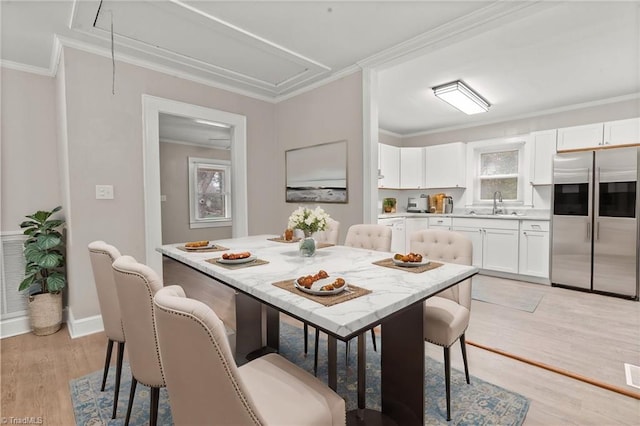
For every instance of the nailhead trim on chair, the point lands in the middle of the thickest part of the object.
(443, 346)
(112, 260)
(234, 381)
(155, 334)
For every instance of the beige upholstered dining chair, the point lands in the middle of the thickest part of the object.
(446, 315)
(102, 256)
(206, 386)
(370, 237)
(136, 285)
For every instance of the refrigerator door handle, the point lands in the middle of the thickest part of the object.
(597, 230)
(588, 231)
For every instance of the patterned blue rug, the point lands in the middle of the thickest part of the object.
(479, 403)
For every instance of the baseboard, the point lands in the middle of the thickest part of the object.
(85, 326)
(14, 326)
(517, 277)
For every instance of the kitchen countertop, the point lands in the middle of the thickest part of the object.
(533, 215)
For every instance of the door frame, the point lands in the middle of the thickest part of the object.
(152, 107)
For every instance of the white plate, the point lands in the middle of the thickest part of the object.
(236, 261)
(315, 288)
(411, 264)
(208, 246)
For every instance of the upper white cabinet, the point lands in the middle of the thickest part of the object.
(622, 132)
(543, 149)
(411, 168)
(389, 164)
(445, 165)
(580, 137)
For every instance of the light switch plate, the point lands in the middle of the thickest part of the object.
(104, 192)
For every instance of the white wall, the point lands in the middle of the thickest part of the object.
(329, 113)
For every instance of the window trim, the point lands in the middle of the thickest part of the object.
(194, 222)
(513, 144)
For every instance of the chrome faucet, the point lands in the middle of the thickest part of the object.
(497, 198)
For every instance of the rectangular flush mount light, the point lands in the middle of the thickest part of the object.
(461, 97)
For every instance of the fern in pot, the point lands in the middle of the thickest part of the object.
(44, 280)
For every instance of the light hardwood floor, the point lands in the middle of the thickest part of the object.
(586, 334)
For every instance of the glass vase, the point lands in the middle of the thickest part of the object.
(307, 245)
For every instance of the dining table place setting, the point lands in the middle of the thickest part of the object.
(322, 288)
(202, 246)
(410, 262)
(237, 260)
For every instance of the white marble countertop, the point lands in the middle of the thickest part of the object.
(392, 289)
(518, 216)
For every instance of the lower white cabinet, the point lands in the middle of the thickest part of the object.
(411, 225)
(495, 242)
(534, 248)
(440, 222)
(397, 232)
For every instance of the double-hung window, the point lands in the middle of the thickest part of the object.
(499, 168)
(209, 192)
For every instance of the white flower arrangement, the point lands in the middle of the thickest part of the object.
(309, 221)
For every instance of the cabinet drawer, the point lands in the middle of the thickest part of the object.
(510, 224)
(534, 225)
(439, 221)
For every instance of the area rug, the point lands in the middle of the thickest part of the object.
(525, 300)
(479, 403)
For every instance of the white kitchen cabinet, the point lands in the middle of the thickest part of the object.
(411, 225)
(543, 149)
(534, 248)
(440, 222)
(580, 137)
(389, 160)
(622, 132)
(445, 165)
(397, 232)
(411, 168)
(495, 242)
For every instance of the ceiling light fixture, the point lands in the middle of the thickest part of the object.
(461, 97)
(213, 123)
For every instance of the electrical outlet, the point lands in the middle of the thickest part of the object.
(163, 198)
(104, 192)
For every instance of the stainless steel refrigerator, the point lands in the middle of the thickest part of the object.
(595, 232)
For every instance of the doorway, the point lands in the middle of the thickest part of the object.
(152, 108)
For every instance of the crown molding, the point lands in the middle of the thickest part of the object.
(567, 108)
(129, 59)
(211, 145)
(390, 133)
(331, 78)
(26, 68)
(473, 23)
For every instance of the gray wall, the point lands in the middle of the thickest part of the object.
(79, 135)
(104, 137)
(30, 180)
(329, 113)
(174, 183)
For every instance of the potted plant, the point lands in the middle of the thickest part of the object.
(309, 221)
(389, 205)
(44, 280)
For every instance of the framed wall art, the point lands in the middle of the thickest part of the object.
(317, 173)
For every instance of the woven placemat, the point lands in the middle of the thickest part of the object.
(203, 250)
(388, 263)
(256, 262)
(282, 240)
(352, 292)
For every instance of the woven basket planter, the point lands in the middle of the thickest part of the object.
(45, 313)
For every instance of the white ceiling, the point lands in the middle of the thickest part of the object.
(524, 57)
